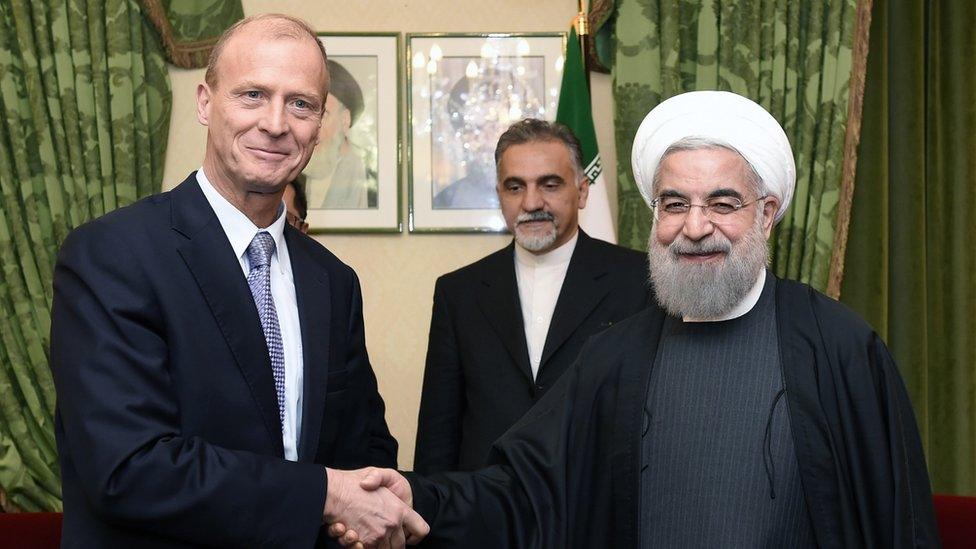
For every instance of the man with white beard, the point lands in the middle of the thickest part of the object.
(751, 411)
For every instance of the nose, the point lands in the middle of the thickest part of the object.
(274, 121)
(532, 199)
(697, 225)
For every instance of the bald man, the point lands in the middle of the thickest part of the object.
(746, 411)
(209, 358)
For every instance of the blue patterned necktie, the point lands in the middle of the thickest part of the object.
(259, 279)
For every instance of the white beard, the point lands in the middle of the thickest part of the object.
(706, 290)
(535, 243)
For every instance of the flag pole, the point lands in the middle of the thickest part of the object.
(575, 110)
(583, 31)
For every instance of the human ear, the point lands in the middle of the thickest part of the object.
(203, 104)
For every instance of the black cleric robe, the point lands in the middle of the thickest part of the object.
(567, 474)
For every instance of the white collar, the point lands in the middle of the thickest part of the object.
(745, 305)
(240, 230)
(558, 256)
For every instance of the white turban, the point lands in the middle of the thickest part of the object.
(726, 118)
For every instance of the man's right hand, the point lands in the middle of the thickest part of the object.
(380, 517)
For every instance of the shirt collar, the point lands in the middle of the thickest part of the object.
(558, 256)
(745, 305)
(240, 230)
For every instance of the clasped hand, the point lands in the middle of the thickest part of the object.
(372, 508)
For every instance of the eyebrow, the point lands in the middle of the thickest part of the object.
(549, 177)
(671, 193)
(717, 193)
(249, 85)
(314, 97)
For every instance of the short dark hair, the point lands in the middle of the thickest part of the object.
(301, 201)
(531, 130)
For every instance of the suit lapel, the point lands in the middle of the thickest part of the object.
(210, 258)
(583, 289)
(315, 314)
(499, 301)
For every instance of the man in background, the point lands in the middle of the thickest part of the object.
(209, 360)
(337, 174)
(507, 326)
(296, 204)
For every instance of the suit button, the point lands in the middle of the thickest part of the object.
(537, 391)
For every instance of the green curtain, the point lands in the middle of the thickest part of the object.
(794, 58)
(910, 260)
(84, 115)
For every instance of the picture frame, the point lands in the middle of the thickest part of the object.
(463, 91)
(353, 180)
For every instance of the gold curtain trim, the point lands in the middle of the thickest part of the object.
(859, 63)
(181, 54)
(600, 11)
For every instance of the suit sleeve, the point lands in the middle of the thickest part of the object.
(442, 399)
(119, 418)
(370, 421)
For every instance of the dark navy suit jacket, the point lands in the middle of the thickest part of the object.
(167, 420)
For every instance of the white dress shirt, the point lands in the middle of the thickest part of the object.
(540, 278)
(240, 231)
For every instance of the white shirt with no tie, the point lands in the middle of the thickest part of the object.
(540, 279)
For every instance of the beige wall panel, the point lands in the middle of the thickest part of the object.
(397, 271)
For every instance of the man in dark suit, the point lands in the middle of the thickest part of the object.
(507, 326)
(209, 359)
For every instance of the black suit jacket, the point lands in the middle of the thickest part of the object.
(478, 381)
(167, 420)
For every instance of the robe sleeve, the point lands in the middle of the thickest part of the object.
(913, 513)
(519, 500)
(872, 486)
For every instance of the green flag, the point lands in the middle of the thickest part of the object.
(575, 112)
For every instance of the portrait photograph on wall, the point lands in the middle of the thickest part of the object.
(352, 182)
(464, 91)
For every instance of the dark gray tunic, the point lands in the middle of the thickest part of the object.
(718, 464)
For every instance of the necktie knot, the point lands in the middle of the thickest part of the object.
(260, 250)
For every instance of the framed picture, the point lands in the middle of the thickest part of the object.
(352, 182)
(464, 91)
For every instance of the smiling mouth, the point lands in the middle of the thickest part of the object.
(267, 153)
(701, 257)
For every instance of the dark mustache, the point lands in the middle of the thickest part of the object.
(534, 216)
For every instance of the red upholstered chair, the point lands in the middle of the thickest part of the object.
(30, 530)
(957, 520)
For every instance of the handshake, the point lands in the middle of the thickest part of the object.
(371, 507)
